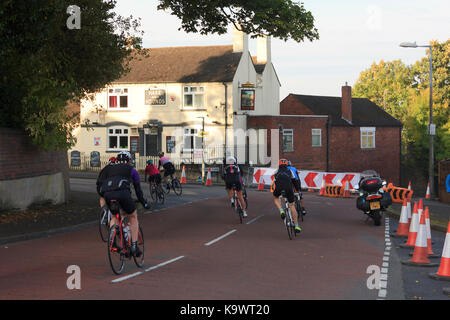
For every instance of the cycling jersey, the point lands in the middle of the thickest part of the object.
(168, 166)
(151, 170)
(295, 172)
(232, 175)
(283, 182)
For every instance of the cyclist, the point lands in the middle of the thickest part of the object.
(283, 182)
(114, 184)
(111, 161)
(297, 185)
(168, 167)
(153, 173)
(232, 176)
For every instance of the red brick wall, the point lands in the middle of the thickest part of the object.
(345, 153)
(20, 159)
(304, 155)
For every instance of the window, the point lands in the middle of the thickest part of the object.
(247, 99)
(118, 138)
(367, 137)
(316, 137)
(194, 97)
(191, 140)
(117, 98)
(288, 140)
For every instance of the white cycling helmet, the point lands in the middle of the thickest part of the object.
(231, 160)
(124, 156)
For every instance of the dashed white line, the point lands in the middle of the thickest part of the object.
(254, 219)
(146, 270)
(220, 238)
(382, 293)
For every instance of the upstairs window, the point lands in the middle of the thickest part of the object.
(194, 97)
(316, 137)
(367, 137)
(117, 98)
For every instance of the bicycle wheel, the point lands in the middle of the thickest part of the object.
(244, 194)
(169, 184)
(115, 250)
(298, 207)
(289, 224)
(240, 213)
(103, 224)
(176, 185)
(140, 242)
(160, 195)
(153, 193)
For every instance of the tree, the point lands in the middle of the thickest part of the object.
(403, 91)
(282, 19)
(43, 64)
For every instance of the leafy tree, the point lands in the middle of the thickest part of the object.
(44, 64)
(282, 19)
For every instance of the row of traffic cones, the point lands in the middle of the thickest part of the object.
(427, 194)
(183, 177)
(418, 231)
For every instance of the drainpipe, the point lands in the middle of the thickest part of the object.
(226, 119)
(328, 130)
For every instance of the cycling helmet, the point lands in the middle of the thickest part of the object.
(231, 160)
(124, 156)
(283, 162)
(112, 160)
(150, 161)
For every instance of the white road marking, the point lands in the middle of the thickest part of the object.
(220, 238)
(382, 293)
(254, 219)
(146, 270)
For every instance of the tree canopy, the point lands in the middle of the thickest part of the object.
(403, 91)
(282, 19)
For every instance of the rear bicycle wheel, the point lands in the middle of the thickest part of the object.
(140, 242)
(176, 185)
(103, 224)
(289, 225)
(160, 195)
(115, 250)
(244, 194)
(153, 193)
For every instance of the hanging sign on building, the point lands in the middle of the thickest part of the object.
(155, 97)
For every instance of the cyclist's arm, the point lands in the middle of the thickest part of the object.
(137, 186)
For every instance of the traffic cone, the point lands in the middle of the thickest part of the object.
(322, 189)
(427, 195)
(427, 221)
(183, 175)
(208, 178)
(408, 210)
(261, 183)
(413, 229)
(444, 268)
(420, 255)
(409, 185)
(346, 193)
(403, 224)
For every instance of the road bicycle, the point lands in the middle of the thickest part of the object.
(237, 204)
(156, 192)
(288, 220)
(119, 242)
(103, 223)
(174, 183)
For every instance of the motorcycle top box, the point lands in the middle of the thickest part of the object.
(370, 184)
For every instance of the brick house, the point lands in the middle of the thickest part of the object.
(336, 134)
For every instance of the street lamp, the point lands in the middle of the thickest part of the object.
(431, 126)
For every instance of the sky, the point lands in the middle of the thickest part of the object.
(353, 35)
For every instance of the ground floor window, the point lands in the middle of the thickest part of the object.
(118, 138)
(191, 140)
(288, 140)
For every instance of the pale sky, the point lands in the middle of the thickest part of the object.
(353, 35)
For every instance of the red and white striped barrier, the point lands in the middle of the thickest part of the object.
(311, 179)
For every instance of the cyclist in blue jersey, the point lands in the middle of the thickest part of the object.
(297, 185)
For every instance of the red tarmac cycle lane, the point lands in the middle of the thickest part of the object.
(328, 260)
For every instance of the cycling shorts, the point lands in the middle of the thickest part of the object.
(123, 197)
(231, 180)
(288, 189)
(155, 178)
(169, 169)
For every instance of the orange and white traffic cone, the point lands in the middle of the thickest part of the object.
(444, 268)
(346, 193)
(183, 175)
(409, 185)
(322, 189)
(261, 183)
(403, 224)
(427, 195)
(429, 242)
(208, 178)
(420, 255)
(408, 210)
(413, 229)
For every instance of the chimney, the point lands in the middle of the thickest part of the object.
(263, 52)
(347, 102)
(240, 41)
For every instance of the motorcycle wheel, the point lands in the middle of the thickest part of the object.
(376, 217)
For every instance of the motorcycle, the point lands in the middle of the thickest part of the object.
(373, 200)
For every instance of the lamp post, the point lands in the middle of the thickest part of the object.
(431, 126)
(203, 147)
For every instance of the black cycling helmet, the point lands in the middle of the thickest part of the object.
(161, 154)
